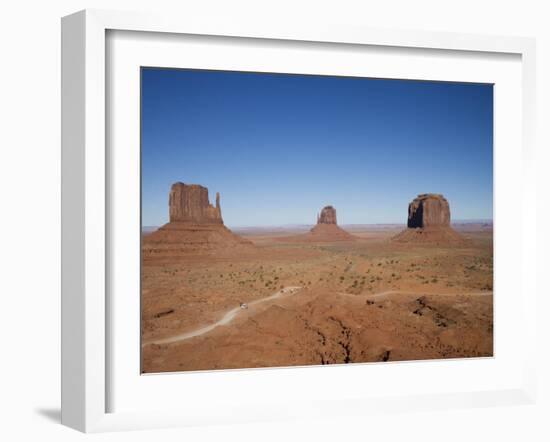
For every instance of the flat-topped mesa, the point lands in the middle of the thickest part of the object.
(429, 210)
(189, 203)
(326, 230)
(195, 227)
(429, 222)
(327, 216)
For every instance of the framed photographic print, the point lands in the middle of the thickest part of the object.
(251, 211)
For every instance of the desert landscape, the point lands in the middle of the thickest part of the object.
(349, 220)
(214, 298)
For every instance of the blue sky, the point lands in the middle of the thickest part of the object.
(280, 147)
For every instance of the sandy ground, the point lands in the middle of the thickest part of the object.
(362, 301)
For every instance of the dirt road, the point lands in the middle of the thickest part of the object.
(226, 319)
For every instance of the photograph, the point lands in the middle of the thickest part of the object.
(304, 220)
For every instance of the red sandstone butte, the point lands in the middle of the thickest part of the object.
(189, 203)
(327, 216)
(326, 229)
(429, 221)
(195, 225)
(428, 210)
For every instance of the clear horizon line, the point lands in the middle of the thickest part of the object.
(242, 226)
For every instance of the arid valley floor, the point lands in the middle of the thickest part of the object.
(368, 300)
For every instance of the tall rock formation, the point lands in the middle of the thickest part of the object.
(429, 222)
(195, 226)
(327, 215)
(326, 229)
(189, 203)
(429, 210)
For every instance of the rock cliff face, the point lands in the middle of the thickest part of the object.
(429, 222)
(327, 215)
(195, 226)
(429, 210)
(189, 203)
(326, 229)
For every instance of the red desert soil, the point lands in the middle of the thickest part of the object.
(367, 300)
(430, 235)
(177, 238)
(321, 233)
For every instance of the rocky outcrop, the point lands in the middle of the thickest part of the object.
(195, 226)
(189, 203)
(327, 216)
(328, 233)
(326, 229)
(429, 222)
(429, 210)
(438, 236)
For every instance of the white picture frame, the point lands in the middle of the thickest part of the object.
(85, 209)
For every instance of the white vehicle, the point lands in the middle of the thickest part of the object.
(244, 305)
